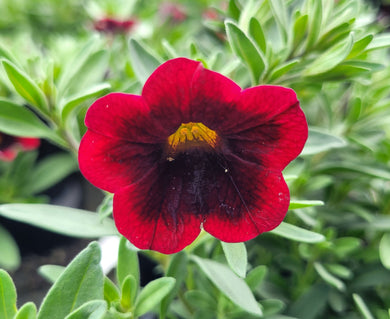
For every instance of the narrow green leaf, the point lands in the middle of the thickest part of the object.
(314, 22)
(129, 290)
(236, 257)
(10, 256)
(360, 45)
(19, 121)
(27, 311)
(330, 58)
(257, 33)
(295, 204)
(81, 282)
(299, 29)
(283, 69)
(233, 10)
(234, 287)
(152, 294)
(177, 269)
(51, 272)
(256, 276)
(319, 141)
(362, 307)
(70, 103)
(62, 220)
(384, 250)
(7, 296)
(143, 61)
(25, 86)
(94, 309)
(111, 292)
(328, 277)
(374, 171)
(296, 233)
(127, 262)
(245, 48)
(279, 11)
(380, 41)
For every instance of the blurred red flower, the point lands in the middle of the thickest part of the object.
(10, 146)
(193, 151)
(111, 25)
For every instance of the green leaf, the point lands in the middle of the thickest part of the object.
(299, 29)
(330, 58)
(7, 296)
(328, 277)
(296, 204)
(143, 61)
(256, 276)
(50, 171)
(362, 307)
(51, 272)
(62, 220)
(10, 256)
(319, 141)
(384, 250)
(111, 292)
(234, 287)
(127, 262)
(283, 69)
(380, 41)
(94, 309)
(129, 290)
(257, 33)
(279, 11)
(244, 48)
(152, 294)
(374, 171)
(314, 23)
(177, 269)
(360, 45)
(19, 121)
(81, 282)
(70, 103)
(236, 257)
(25, 86)
(233, 10)
(27, 311)
(296, 233)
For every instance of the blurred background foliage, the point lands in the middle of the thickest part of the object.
(58, 57)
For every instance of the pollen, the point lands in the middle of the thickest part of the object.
(191, 135)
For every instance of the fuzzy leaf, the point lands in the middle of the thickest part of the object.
(25, 86)
(296, 233)
(7, 296)
(152, 294)
(319, 141)
(234, 287)
(143, 61)
(27, 311)
(51, 272)
(244, 48)
(62, 220)
(81, 282)
(94, 309)
(257, 33)
(127, 262)
(236, 257)
(10, 256)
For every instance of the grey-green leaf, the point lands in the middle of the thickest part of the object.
(81, 282)
(25, 86)
(234, 287)
(7, 296)
(319, 141)
(62, 220)
(10, 256)
(152, 294)
(51, 272)
(94, 309)
(143, 61)
(236, 257)
(127, 262)
(297, 234)
(328, 277)
(361, 305)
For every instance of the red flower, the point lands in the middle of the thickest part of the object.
(11, 145)
(111, 25)
(194, 150)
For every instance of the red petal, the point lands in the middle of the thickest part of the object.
(252, 202)
(8, 155)
(124, 116)
(275, 143)
(111, 164)
(153, 217)
(28, 143)
(213, 99)
(167, 92)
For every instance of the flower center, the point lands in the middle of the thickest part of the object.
(191, 135)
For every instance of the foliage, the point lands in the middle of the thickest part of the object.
(330, 257)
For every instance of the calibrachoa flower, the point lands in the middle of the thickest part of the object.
(11, 145)
(111, 25)
(193, 151)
